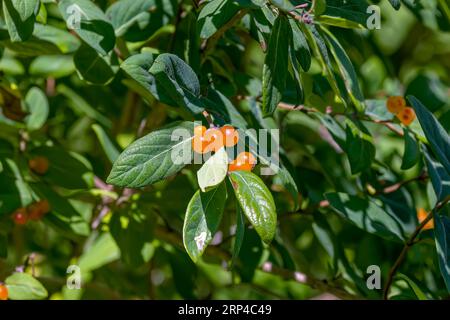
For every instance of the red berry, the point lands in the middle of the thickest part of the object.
(39, 165)
(20, 216)
(38, 210)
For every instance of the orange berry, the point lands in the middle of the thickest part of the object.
(39, 165)
(407, 116)
(199, 131)
(38, 210)
(20, 216)
(199, 144)
(239, 166)
(230, 136)
(395, 104)
(214, 137)
(247, 158)
(421, 216)
(3, 292)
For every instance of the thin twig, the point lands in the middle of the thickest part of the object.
(209, 45)
(408, 244)
(323, 285)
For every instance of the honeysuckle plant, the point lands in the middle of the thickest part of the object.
(224, 149)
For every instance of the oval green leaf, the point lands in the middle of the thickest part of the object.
(203, 216)
(151, 158)
(256, 202)
(22, 286)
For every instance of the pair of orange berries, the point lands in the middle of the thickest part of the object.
(35, 211)
(213, 139)
(397, 106)
(39, 165)
(3, 292)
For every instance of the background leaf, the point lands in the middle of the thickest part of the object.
(22, 286)
(366, 215)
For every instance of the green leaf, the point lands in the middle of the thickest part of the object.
(213, 171)
(347, 70)
(93, 67)
(108, 146)
(52, 66)
(81, 106)
(256, 202)
(395, 4)
(442, 232)
(223, 109)
(177, 81)
(22, 286)
(430, 90)
(101, 251)
(20, 18)
(437, 136)
(359, 147)
(150, 159)
(353, 10)
(46, 40)
(317, 43)
(141, 80)
(66, 169)
(339, 22)
(240, 230)
(36, 104)
(137, 20)
(202, 219)
(411, 155)
(285, 179)
(90, 23)
(367, 215)
(285, 5)
(440, 179)
(275, 65)
(214, 15)
(132, 230)
(417, 291)
(300, 46)
(64, 217)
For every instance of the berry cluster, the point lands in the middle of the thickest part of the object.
(35, 211)
(397, 106)
(213, 139)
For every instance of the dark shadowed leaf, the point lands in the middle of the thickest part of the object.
(366, 215)
(20, 18)
(411, 156)
(437, 136)
(442, 232)
(275, 65)
(90, 23)
(178, 81)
